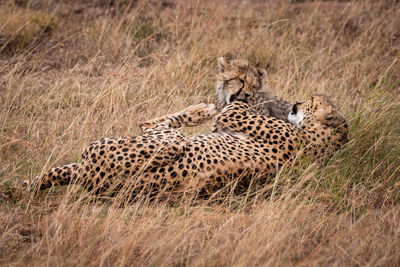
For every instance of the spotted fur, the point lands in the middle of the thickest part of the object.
(242, 143)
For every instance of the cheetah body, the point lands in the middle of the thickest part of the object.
(254, 132)
(242, 144)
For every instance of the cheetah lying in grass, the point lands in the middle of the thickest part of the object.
(244, 141)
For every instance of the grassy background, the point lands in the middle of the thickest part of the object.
(73, 72)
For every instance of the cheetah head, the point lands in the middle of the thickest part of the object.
(316, 110)
(237, 80)
(321, 122)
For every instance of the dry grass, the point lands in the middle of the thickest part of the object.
(100, 68)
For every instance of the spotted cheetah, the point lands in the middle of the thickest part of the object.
(241, 144)
(239, 80)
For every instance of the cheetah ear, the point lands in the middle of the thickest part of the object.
(222, 64)
(263, 79)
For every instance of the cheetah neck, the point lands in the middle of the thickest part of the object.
(273, 106)
(323, 139)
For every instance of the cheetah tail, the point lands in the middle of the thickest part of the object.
(61, 175)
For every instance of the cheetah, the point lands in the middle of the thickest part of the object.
(241, 144)
(239, 80)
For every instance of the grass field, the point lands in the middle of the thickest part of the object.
(73, 72)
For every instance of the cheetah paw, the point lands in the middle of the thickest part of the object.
(202, 110)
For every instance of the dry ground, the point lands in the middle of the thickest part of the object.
(73, 72)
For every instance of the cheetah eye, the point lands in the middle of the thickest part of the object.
(329, 117)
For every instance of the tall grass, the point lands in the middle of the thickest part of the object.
(101, 67)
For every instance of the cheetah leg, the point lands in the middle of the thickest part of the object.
(96, 172)
(191, 116)
(115, 163)
(62, 175)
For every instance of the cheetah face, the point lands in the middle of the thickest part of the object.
(237, 80)
(230, 90)
(317, 109)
